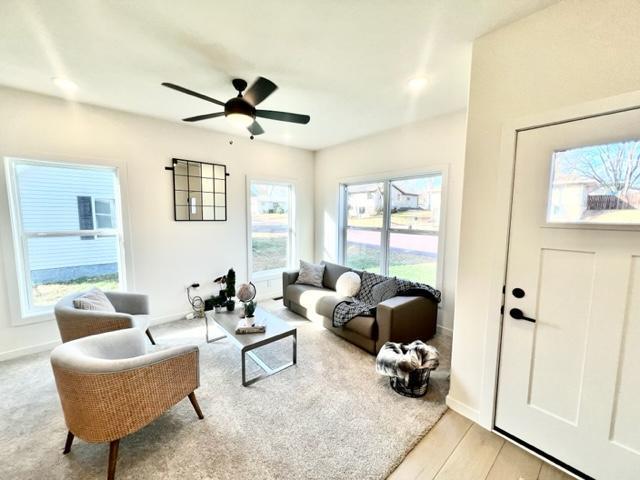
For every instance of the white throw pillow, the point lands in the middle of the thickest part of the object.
(94, 299)
(348, 284)
(310, 274)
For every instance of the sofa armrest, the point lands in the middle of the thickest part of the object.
(131, 303)
(288, 278)
(405, 319)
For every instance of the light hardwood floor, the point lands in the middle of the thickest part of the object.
(458, 449)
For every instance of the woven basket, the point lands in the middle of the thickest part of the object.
(417, 385)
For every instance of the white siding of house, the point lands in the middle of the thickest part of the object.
(48, 202)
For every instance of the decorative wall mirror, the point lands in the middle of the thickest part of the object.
(199, 191)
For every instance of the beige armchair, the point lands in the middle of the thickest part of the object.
(132, 311)
(110, 385)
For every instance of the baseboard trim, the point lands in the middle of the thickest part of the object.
(168, 318)
(21, 352)
(463, 409)
(446, 331)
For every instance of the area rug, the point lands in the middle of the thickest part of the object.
(329, 417)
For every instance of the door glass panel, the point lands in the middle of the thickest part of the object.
(363, 250)
(365, 205)
(597, 184)
(415, 203)
(413, 257)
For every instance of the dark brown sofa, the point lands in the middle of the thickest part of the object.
(399, 319)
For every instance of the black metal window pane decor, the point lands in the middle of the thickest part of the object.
(200, 191)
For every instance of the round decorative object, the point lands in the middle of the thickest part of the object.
(249, 308)
(348, 284)
(246, 292)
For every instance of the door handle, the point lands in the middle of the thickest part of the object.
(519, 315)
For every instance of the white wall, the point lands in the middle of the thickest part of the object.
(413, 148)
(163, 256)
(569, 53)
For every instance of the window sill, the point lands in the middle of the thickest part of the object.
(267, 275)
(34, 317)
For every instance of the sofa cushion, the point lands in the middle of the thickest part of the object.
(307, 295)
(332, 272)
(348, 285)
(365, 326)
(310, 274)
(95, 300)
(326, 305)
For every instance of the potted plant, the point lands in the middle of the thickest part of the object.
(230, 290)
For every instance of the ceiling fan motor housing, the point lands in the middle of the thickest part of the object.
(239, 106)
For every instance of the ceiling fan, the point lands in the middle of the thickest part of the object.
(241, 110)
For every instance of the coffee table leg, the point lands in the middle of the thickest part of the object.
(244, 363)
(295, 347)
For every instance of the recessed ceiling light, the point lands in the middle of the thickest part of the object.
(65, 84)
(417, 83)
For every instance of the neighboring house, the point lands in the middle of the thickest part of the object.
(62, 200)
(574, 196)
(366, 200)
(402, 200)
(263, 202)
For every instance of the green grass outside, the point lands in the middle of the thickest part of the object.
(49, 293)
(405, 265)
(269, 252)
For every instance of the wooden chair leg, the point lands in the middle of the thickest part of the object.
(196, 407)
(153, 342)
(67, 444)
(113, 458)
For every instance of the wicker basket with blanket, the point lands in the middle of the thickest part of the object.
(408, 366)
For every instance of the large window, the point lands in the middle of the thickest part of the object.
(66, 230)
(271, 226)
(392, 227)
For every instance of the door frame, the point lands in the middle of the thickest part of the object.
(500, 251)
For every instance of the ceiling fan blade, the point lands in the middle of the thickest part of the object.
(283, 116)
(191, 92)
(260, 90)
(255, 128)
(197, 118)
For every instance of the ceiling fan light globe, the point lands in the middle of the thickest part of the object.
(240, 120)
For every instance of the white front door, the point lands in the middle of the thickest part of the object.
(569, 377)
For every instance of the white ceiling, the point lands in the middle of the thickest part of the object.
(344, 62)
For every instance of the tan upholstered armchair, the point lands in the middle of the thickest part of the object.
(132, 311)
(110, 386)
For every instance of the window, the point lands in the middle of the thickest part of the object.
(55, 207)
(596, 184)
(92, 212)
(271, 226)
(392, 227)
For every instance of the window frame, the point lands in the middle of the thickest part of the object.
(112, 214)
(27, 312)
(387, 179)
(292, 253)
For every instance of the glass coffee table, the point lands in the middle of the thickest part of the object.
(277, 329)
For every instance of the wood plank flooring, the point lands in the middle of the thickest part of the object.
(458, 449)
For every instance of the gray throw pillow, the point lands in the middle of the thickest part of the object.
(384, 290)
(95, 300)
(310, 274)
